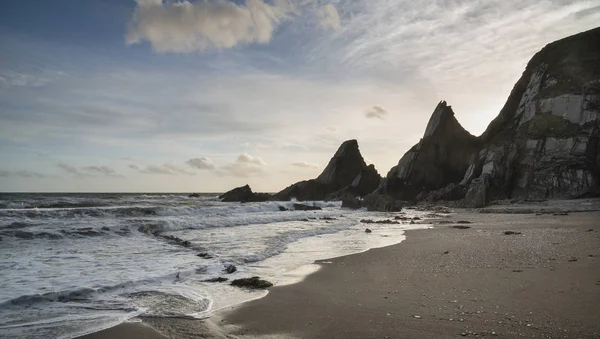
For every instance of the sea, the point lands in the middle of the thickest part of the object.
(73, 264)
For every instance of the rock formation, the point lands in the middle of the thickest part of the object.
(244, 194)
(441, 157)
(346, 174)
(544, 143)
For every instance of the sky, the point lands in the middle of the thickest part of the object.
(207, 95)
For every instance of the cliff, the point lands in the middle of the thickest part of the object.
(543, 144)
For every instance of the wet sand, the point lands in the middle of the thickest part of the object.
(443, 282)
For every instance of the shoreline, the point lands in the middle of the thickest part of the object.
(487, 284)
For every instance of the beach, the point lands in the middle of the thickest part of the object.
(542, 281)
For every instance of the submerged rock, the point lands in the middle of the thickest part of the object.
(216, 280)
(252, 283)
(302, 207)
(230, 269)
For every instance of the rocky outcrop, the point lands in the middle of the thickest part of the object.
(440, 158)
(347, 174)
(244, 194)
(544, 143)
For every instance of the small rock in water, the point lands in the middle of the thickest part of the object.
(461, 227)
(104, 228)
(329, 218)
(216, 280)
(281, 208)
(511, 233)
(446, 252)
(412, 222)
(463, 222)
(204, 255)
(368, 230)
(572, 259)
(253, 283)
(302, 207)
(230, 269)
(561, 213)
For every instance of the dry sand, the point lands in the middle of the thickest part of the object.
(439, 283)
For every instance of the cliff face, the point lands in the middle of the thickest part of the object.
(346, 173)
(543, 144)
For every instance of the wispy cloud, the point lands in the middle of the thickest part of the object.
(304, 164)
(89, 171)
(376, 112)
(164, 169)
(21, 174)
(244, 166)
(201, 163)
(329, 18)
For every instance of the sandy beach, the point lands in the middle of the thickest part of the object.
(540, 281)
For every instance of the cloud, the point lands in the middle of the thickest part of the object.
(21, 174)
(329, 18)
(376, 112)
(203, 25)
(88, 171)
(244, 166)
(102, 170)
(304, 164)
(165, 169)
(201, 163)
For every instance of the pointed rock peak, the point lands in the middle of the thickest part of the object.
(347, 147)
(440, 117)
(344, 166)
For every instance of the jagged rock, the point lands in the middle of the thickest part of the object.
(442, 157)
(346, 174)
(244, 194)
(382, 203)
(302, 207)
(230, 269)
(252, 283)
(545, 143)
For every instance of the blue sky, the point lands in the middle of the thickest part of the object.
(115, 95)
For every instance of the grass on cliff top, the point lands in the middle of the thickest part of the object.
(548, 125)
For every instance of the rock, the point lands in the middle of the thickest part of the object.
(412, 222)
(461, 227)
(398, 217)
(442, 157)
(477, 194)
(175, 241)
(329, 218)
(230, 269)
(281, 208)
(346, 174)
(351, 202)
(463, 222)
(194, 195)
(302, 207)
(216, 280)
(385, 221)
(204, 255)
(244, 194)
(511, 233)
(104, 228)
(382, 203)
(368, 230)
(24, 235)
(251, 283)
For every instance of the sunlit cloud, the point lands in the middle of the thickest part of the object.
(244, 166)
(164, 169)
(201, 163)
(305, 165)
